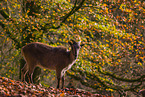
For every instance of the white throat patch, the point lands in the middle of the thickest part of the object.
(70, 65)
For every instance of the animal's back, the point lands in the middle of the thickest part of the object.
(46, 56)
(38, 49)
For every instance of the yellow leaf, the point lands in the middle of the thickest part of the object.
(62, 94)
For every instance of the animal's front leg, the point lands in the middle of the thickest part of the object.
(58, 74)
(62, 81)
(58, 81)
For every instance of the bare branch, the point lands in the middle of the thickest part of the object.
(6, 16)
(73, 10)
(121, 79)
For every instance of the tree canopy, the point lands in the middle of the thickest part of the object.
(112, 58)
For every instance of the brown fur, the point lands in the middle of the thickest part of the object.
(142, 92)
(45, 56)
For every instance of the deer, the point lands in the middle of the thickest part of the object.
(142, 92)
(41, 55)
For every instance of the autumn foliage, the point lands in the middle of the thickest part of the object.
(14, 88)
(112, 59)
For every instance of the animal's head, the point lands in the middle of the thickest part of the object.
(75, 45)
(142, 92)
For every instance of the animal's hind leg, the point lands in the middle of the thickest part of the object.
(30, 72)
(24, 70)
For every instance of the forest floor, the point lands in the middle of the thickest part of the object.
(13, 88)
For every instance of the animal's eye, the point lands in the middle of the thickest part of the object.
(77, 47)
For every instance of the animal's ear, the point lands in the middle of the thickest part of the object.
(82, 45)
(74, 42)
(70, 43)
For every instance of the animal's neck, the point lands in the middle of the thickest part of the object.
(74, 53)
